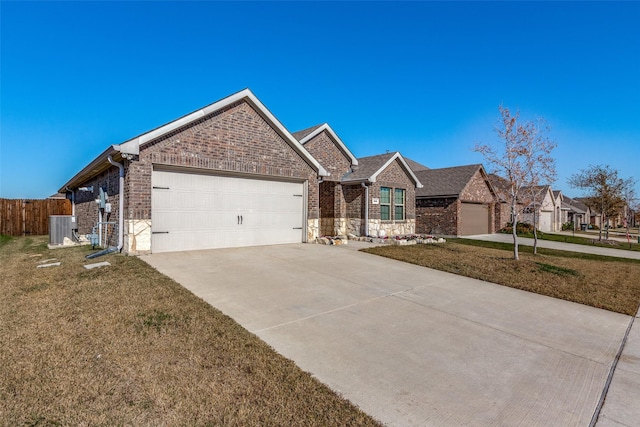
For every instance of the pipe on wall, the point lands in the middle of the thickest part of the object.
(120, 203)
(366, 209)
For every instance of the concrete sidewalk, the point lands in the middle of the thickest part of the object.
(622, 404)
(596, 250)
(409, 345)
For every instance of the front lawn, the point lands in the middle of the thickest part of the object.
(125, 345)
(587, 240)
(603, 282)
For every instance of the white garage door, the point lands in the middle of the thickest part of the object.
(545, 221)
(474, 219)
(193, 211)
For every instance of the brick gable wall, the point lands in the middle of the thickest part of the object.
(235, 140)
(325, 151)
(394, 176)
(477, 190)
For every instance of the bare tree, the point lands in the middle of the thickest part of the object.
(540, 167)
(630, 200)
(604, 191)
(522, 158)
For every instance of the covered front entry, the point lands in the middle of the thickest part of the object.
(192, 210)
(474, 219)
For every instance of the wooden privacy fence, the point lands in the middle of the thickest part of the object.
(30, 217)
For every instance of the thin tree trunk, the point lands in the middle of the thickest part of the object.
(535, 236)
(515, 225)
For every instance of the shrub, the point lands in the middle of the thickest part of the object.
(567, 226)
(521, 228)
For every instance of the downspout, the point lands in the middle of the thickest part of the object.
(366, 209)
(120, 203)
(73, 201)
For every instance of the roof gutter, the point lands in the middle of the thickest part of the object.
(101, 163)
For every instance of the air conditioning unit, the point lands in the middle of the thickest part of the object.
(61, 226)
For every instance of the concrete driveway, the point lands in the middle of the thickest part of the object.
(409, 345)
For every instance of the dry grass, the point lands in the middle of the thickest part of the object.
(125, 345)
(601, 282)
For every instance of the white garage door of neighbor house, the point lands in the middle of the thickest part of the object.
(545, 221)
(194, 211)
(474, 219)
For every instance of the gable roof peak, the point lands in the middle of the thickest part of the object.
(371, 166)
(308, 134)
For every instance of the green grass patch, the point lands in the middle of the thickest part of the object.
(560, 271)
(5, 239)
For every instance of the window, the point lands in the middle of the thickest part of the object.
(385, 203)
(398, 203)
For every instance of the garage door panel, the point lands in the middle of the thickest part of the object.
(474, 219)
(194, 211)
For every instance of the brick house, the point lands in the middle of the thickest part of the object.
(326, 147)
(455, 201)
(229, 174)
(380, 196)
(577, 212)
(351, 181)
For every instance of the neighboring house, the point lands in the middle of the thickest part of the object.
(577, 212)
(594, 214)
(560, 216)
(539, 201)
(230, 174)
(503, 215)
(455, 201)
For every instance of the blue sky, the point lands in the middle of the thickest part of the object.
(422, 78)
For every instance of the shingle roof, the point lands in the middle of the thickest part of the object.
(445, 181)
(300, 135)
(368, 166)
(415, 166)
(578, 202)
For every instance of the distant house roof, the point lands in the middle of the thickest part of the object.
(415, 166)
(308, 134)
(574, 205)
(445, 181)
(370, 167)
(132, 146)
(57, 196)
